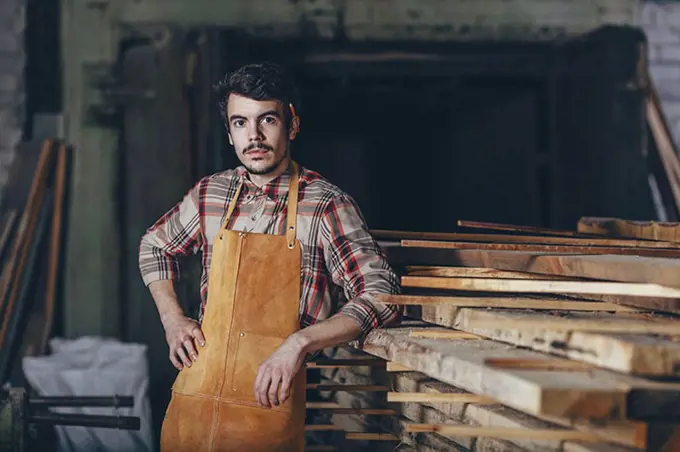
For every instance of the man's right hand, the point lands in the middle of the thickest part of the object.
(180, 332)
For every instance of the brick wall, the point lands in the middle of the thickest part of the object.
(12, 63)
(661, 22)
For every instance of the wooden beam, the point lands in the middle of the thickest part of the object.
(596, 394)
(631, 434)
(361, 411)
(622, 351)
(471, 319)
(444, 334)
(341, 387)
(508, 302)
(321, 405)
(534, 239)
(603, 267)
(360, 436)
(506, 433)
(539, 364)
(322, 428)
(472, 272)
(394, 367)
(421, 397)
(527, 286)
(325, 363)
(543, 248)
(518, 228)
(664, 232)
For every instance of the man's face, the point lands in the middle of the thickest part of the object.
(258, 133)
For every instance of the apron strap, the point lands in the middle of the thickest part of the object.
(232, 204)
(291, 220)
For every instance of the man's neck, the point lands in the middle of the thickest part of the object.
(263, 179)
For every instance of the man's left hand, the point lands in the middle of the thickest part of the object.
(279, 370)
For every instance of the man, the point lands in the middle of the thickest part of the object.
(341, 269)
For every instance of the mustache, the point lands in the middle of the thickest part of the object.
(253, 146)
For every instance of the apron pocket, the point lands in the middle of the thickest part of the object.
(251, 351)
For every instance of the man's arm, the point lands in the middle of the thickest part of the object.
(176, 233)
(356, 264)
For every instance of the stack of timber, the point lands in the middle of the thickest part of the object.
(519, 338)
(32, 213)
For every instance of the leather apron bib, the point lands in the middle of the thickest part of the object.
(253, 304)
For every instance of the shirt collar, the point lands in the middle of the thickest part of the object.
(275, 188)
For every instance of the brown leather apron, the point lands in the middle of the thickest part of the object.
(253, 303)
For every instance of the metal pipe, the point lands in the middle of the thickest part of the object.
(86, 420)
(115, 401)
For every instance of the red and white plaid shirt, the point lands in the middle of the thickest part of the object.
(342, 266)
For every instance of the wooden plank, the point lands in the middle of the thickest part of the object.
(663, 142)
(507, 433)
(421, 397)
(343, 387)
(538, 364)
(529, 286)
(535, 239)
(576, 321)
(444, 334)
(624, 352)
(394, 367)
(13, 270)
(471, 272)
(597, 394)
(517, 228)
(322, 428)
(627, 434)
(661, 271)
(504, 302)
(361, 411)
(361, 436)
(337, 363)
(668, 232)
(528, 247)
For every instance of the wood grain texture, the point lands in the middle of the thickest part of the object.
(623, 352)
(535, 239)
(499, 416)
(510, 302)
(530, 286)
(596, 394)
(543, 248)
(662, 271)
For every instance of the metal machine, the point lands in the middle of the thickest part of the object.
(21, 414)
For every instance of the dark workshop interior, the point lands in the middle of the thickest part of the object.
(523, 180)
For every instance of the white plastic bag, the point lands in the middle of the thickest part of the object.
(92, 366)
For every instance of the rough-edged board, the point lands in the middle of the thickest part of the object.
(595, 394)
(540, 286)
(629, 353)
(506, 302)
(501, 416)
(661, 271)
(543, 248)
(512, 238)
(570, 321)
(618, 227)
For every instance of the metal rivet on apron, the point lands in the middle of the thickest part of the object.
(242, 334)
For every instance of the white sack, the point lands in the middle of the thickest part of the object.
(92, 366)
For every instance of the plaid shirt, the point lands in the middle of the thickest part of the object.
(342, 266)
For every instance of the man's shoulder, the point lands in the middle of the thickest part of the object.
(219, 179)
(318, 188)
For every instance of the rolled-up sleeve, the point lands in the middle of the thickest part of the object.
(176, 233)
(357, 264)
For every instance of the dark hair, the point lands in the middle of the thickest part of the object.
(260, 81)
